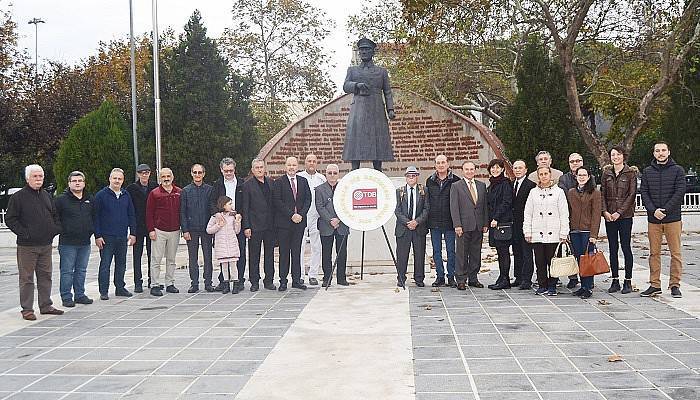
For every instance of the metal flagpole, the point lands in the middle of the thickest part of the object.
(156, 90)
(133, 84)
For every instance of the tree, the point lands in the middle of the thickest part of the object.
(205, 108)
(538, 117)
(97, 143)
(278, 44)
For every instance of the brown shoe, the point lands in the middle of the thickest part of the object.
(28, 315)
(52, 311)
(461, 286)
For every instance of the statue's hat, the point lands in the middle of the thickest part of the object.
(364, 42)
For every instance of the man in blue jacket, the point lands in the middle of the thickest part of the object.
(663, 189)
(114, 219)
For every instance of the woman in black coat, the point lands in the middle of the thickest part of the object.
(500, 201)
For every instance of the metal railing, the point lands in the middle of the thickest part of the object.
(691, 203)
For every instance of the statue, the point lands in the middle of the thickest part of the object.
(367, 137)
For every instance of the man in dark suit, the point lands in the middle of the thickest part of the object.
(139, 191)
(412, 207)
(231, 186)
(331, 229)
(470, 219)
(258, 225)
(523, 266)
(291, 198)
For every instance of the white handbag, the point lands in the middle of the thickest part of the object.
(564, 264)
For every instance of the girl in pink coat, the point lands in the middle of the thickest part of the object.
(225, 225)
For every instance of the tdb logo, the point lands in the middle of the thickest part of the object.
(363, 199)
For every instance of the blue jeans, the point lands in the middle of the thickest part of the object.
(579, 244)
(436, 238)
(73, 266)
(115, 247)
(623, 228)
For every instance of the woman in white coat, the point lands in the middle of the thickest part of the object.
(546, 224)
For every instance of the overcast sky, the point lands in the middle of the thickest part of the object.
(74, 28)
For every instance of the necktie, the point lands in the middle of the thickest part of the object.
(515, 190)
(410, 205)
(294, 192)
(472, 191)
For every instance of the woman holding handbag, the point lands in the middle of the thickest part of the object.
(618, 189)
(585, 203)
(500, 199)
(546, 224)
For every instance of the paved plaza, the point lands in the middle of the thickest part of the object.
(365, 341)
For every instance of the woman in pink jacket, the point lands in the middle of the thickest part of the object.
(225, 225)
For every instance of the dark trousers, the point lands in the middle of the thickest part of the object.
(266, 240)
(137, 253)
(403, 247)
(543, 259)
(469, 256)
(34, 260)
(290, 246)
(341, 250)
(503, 263)
(523, 266)
(204, 240)
(579, 244)
(623, 229)
(114, 248)
(376, 164)
(241, 261)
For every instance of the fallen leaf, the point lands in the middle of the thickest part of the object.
(441, 319)
(428, 307)
(484, 270)
(396, 290)
(615, 358)
(435, 289)
(604, 302)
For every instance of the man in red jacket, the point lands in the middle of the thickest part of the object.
(163, 224)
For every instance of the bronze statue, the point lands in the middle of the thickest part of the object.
(367, 137)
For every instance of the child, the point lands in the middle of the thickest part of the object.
(225, 225)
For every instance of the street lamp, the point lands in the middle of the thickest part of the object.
(36, 22)
(132, 66)
(156, 84)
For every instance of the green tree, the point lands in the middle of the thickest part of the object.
(205, 109)
(538, 118)
(97, 143)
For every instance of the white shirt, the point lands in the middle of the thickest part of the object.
(118, 194)
(231, 190)
(415, 198)
(315, 181)
(519, 182)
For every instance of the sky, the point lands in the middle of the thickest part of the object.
(73, 28)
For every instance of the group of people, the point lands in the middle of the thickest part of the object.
(233, 218)
(227, 220)
(534, 214)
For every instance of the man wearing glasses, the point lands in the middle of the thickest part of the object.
(231, 186)
(194, 215)
(139, 191)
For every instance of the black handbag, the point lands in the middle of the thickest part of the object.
(502, 232)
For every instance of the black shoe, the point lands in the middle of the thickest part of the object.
(68, 303)
(578, 292)
(614, 286)
(420, 284)
(651, 292)
(236, 288)
(161, 287)
(626, 286)
(572, 283)
(227, 288)
(505, 284)
(104, 297)
(476, 284)
(209, 288)
(438, 282)
(193, 289)
(219, 287)
(269, 286)
(138, 289)
(299, 285)
(83, 300)
(171, 289)
(451, 282)
(343, 283)
(325, 283)
(123, 293)
(156, 291)
(282, 288)
(313, 281)
(676, 292)
(516, 282)
(400, 283)
(254, 287)
(525, 286)
(586, 294)
(240, 284)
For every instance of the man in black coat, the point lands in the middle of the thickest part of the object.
(231, 186)
(412, 205)
(291, 197)
(194, 216)
(258, 225)
(440, 220)
(139, 191)
(523, 266)
(663, 189)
